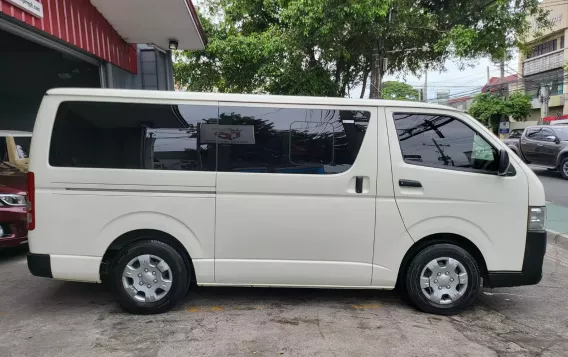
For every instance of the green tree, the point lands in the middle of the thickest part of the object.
(398, 91)
(324, 47)
(489, 108)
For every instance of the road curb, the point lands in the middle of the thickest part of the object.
(557, 238)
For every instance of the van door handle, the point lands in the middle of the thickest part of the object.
(409, 183)
(359, 184)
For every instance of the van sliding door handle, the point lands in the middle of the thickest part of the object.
(409, 183)
(359, 184)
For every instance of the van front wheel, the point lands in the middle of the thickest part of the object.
(149, 277)
(443, 279)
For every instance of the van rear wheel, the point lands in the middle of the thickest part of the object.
(443, 279)
(149, 277)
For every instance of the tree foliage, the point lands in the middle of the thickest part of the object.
(489, 108)
(398, 91)
(324, 47)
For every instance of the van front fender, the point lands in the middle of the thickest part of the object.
(458, 226)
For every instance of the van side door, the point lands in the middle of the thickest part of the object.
(547, 150)
(296, 189)
(445, 181)
(529, 143)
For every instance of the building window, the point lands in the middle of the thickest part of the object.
(444, 142)
(554, 77)
(546, 47)
(562, 42)
(289, 140)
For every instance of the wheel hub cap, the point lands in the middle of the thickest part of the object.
(147, 278)
(444, 280)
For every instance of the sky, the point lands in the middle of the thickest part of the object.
(458, 82)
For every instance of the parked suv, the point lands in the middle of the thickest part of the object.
(543, 145)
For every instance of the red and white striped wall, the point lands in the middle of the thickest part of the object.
(80, 24)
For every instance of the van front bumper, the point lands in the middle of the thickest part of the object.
(535, 248)
(40, 265)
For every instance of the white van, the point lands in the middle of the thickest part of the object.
(150, 191)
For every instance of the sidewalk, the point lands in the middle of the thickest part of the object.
(557, 218)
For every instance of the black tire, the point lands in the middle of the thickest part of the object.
(561, 168)
(179, 282)
(417, 265)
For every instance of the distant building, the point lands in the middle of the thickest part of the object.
(461, 103)
(543, 65)
(509, 85)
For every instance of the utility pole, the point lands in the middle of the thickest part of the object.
(426, 84)
(488, 75)
(502, 81)
(544, 96)
(376, 72)
(379, 62)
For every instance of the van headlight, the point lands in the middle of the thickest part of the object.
(537, 218)
(13, 200)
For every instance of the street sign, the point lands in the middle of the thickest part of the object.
(34, 7)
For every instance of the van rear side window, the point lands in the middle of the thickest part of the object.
(132, 136)
(206, 138)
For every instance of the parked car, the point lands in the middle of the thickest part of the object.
(14, 156)
(543, 145)
(317, 192)
(13, 217)
(15, 148)
(559, 122)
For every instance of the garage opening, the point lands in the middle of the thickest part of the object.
(27, 71)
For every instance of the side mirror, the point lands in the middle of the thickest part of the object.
(552, 139)
(504, 162)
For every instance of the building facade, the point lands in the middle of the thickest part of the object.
(87, 43)
(544, 64)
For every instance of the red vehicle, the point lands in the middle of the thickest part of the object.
(13, 214)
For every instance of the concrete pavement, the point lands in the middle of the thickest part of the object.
(42, 317)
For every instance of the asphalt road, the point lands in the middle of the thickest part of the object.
(556, 191)
(555, 187)
(42, 317)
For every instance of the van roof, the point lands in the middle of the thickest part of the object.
(4, 133)
(249, 98)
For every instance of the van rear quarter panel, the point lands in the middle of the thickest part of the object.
(81, 211)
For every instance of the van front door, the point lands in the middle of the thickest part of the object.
(295, 200)
(445, 179)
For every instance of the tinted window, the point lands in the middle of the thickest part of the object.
(515, 134)
(4, 150)
(282, 140)
(23, 146)
(133, 136)
(545, 133)
(441, 141)
(562, 133)
(533, 133)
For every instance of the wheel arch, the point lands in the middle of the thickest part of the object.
(438, 238)
(563, 155)
(139, 235)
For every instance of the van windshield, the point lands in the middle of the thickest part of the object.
(562, 133)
